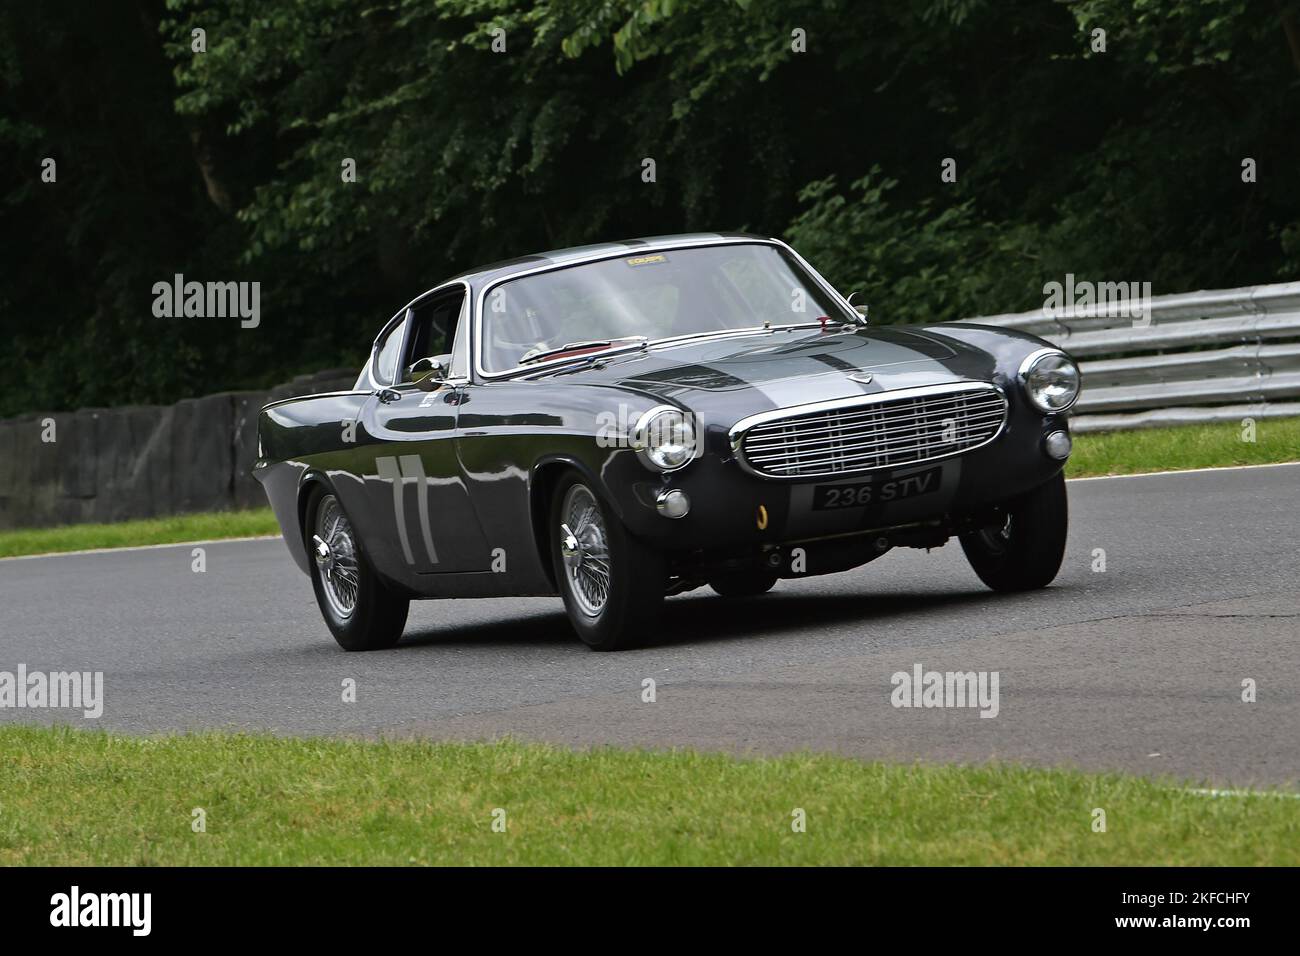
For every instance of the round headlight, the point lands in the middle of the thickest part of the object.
(1051, 380)
(665, 438)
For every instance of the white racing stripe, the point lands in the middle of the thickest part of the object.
(791, 393)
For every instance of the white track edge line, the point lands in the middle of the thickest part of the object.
(1189, 471)
(138, 547)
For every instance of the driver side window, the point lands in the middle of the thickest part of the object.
(434, 326)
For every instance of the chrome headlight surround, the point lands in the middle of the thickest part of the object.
(1051, 380)
(665, 438)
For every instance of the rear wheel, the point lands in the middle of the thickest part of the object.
(361, 612)
(744, 583)
(1024, 550)
(612, 583)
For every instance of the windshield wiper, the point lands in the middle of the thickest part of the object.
(594, 344)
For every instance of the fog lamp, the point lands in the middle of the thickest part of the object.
(1058, 445)
(673, 504)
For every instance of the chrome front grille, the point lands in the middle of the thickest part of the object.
(885, 430)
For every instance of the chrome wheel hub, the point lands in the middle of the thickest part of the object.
(335, 552)
(569, 544)
(584, 546)
(324, 556)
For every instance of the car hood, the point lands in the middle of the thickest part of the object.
(738, 375)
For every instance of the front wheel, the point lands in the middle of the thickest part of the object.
(612, 583)
(360, 611)
(1024, 550)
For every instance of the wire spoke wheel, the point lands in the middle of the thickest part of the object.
(612, 582)
(585, 548)
(336, 557)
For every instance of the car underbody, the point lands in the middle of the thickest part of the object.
(828, 554)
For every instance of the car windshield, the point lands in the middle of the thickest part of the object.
(648, 295)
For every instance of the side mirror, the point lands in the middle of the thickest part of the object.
(427, 374)
(860, 309)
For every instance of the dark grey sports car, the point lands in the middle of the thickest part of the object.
(632, 420)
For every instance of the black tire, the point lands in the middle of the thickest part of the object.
(736, 584)
(378, 614)
(635, 579)
(1025, 552)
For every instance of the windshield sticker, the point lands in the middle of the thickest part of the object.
(646, 260)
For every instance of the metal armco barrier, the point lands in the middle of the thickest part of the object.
(1221, 355)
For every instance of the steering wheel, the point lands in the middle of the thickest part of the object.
(537, 349)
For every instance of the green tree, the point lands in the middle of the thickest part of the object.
(824, 121)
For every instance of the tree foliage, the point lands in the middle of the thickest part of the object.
(226, 164)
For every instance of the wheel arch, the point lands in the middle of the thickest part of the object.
(310, 481)
(543, 479)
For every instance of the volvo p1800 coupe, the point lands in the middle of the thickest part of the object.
(622, 422)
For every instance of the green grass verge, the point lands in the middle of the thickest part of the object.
(86, 798)
(1107, 453)
(192, 527)
(1184, 446)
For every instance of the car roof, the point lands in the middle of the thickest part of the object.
(498, 270)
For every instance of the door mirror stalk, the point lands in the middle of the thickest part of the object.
(427, 374)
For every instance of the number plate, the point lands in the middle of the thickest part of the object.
(859, 494)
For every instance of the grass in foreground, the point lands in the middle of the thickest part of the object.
(1107, 453)
(192, 527)
(1184, 446)
(87, 798)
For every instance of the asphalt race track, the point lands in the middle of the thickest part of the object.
(1136, 668)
